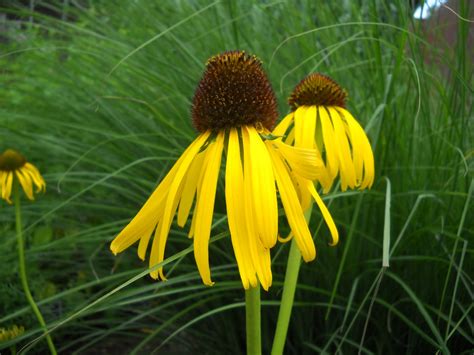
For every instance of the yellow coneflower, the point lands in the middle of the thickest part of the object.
(234, 109)
(14, 165)
(319, 120)
(16, 171)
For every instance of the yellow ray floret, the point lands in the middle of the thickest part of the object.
(234, 190)
(205, 207)
(261, 183)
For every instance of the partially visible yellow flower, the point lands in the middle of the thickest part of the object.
(13, 165)
(319, 120)
(234, 109)
(11, 333)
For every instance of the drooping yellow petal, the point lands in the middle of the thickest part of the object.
(332, 158)
(308, 127)
(154, 254)
(26, 183)
(356, 148)
(292, 207)
(326, 215)
(143, 244)
(347, 172)
(145, 238)
(172, 198)
(263, 191)
(3, 180)
(199, 178)
(36, 176)
(265, 257)
(300, 126)
(234, 190)
(304, 162)
(193, 220)
(189, 189)
(284, 124)
(361, 150)
(7, 187)
(205, 208)
(6, 179)
(146, 219)
(260, 255)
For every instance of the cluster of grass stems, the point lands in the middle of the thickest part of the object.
(100, 101)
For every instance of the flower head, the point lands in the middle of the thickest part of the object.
(319, 120)
(13, 165)
(234, 109)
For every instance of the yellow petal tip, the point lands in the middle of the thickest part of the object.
(114, 249)
(335, 239)
(285, 240)
(308, 257)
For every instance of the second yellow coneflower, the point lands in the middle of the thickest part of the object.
(14, 165)
(234, 109)
(319, 120)
(16, 171)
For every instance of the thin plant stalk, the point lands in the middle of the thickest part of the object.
(252, 321)
(288, 296)
(22, 266)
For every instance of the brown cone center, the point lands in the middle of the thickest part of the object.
(234, 91)
(317, 90)
(11, 160)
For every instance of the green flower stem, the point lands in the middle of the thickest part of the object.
(21, 260)
(288, 296)
(252, 320)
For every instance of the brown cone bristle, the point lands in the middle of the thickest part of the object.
(11, 160)
(234, 91)
(317, 90)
